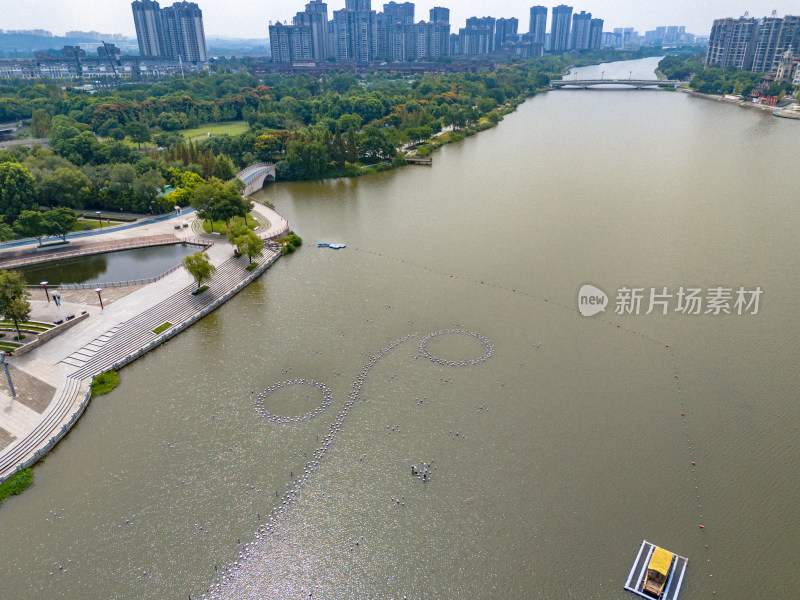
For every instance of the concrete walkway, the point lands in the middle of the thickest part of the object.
(52, 381)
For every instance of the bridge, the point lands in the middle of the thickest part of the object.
(638, 84)
(255, 176)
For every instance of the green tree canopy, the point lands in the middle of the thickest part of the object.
(17, 190)
(246, 241)
(66, 186)
(60, 221)
(14, 296)
(138, 132)
(219, 201)
(31, 224)
(199, 267)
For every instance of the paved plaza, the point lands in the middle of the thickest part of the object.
(51, 381)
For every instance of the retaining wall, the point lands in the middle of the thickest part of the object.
(169, 333)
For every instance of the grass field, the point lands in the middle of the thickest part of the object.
(222, 226)
(229, 128)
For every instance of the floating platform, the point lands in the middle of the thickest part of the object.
(638, 572)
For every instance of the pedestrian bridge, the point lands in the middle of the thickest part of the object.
(638, 84)
(255, 176)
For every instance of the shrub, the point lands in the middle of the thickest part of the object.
(104, 383)
(163, 327)
(15, 484)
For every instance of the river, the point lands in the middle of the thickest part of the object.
(551, 460)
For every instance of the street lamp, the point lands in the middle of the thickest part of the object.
(8, 375)
(44, 285)
(98, 290)
(97, 212)
(603, 75)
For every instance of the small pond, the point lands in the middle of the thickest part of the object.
(140, 263)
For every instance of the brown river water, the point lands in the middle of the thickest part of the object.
(556, 442)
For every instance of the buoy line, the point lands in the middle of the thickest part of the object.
(261, 411)
(487, 345)
(296, 485)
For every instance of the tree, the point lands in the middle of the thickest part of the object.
(66, 187)
(41, 121)
(31, 224)
(305, 160)
(199, 267)
(116, 133)
(337, 150)
(267, 146)
(225, 170)
(138, 132)
(6, 232)
(17, 190)
(14, 296)
(146, 187)
(219, 201)
(246, 241)
(18, 310)
(350, 148)
(60, 221)
(374, 143)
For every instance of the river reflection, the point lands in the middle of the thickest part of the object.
(141, 263)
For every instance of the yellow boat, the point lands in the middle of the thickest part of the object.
(657, 572)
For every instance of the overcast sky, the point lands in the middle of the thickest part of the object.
(249, 18)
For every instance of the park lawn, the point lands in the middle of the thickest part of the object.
(224, 128)
(222, 226)
(83, 224)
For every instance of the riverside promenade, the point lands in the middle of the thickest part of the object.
(53, 381)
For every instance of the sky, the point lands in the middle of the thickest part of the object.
(250, 18)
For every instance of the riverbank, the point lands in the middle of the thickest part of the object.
(738, 102)
(54, 380)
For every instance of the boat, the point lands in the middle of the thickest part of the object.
(323, 245)
(337, 246)
(656, 573)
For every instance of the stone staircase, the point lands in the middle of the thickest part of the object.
(132, 335)
(46, 427)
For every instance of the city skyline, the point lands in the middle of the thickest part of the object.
(250, 18)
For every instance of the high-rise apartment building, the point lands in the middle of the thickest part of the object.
(316, 17)
(306, 39)
(478, 37)
(506, 30)
(358, 4)
(400, 13)
(579, 34)
(732, 43)
(440, 15)
(355, 32)
(183, 32)
(560, 27)
(149, 33)
(173, 32)
(290, 43)
(538, 25)
(596, 34)
(775, 37)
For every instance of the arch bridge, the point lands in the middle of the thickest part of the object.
(638, 84)
(255, 176)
